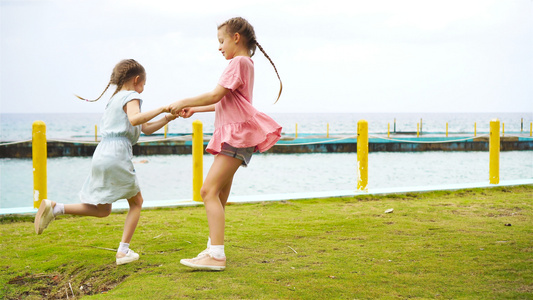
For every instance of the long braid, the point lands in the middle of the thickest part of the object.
(123, 71)
(81, 98)
(269, 59)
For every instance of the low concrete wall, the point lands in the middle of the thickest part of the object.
(305, 145)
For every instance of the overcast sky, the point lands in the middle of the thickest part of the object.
(333, 56)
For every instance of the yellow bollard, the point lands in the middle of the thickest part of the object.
(417, 129)
(166, 130)
(475, 129)
(388, 130)
(446, 129)
(197, 160)
(503, 129)
(362, 155)
(296, 131)
(327, 130)
(96, 133)
(494, 152)
(39, 154)
(531, 129)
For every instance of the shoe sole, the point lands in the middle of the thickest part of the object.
(202, 267)
(44, 208)
(126, 261)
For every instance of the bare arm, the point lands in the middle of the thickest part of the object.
(136, 117)
(206, 101)
(207, 108)
(187, 112)
(151, 127)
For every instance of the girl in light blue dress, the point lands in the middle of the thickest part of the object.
(112, 174)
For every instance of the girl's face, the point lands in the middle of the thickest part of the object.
(227, 44)
(139, 85)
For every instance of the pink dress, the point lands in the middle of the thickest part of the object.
(237, 122)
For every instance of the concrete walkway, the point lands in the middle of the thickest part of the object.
(123, 204)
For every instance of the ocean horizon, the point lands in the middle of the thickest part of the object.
(16, 126)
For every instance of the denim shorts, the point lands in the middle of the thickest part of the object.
(244, 154)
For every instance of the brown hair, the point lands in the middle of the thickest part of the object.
(123, 71)
(246, 31)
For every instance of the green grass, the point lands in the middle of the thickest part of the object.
(444, 245)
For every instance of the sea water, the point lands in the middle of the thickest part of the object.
(165, 177)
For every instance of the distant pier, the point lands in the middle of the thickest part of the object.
(306, 143)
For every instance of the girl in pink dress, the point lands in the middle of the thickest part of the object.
(240, 130)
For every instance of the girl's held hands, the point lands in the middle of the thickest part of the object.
(186, 112)
(175, 108)
(170, 117)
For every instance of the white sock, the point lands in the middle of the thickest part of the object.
(217, 251)
(124, 247)
(208, 242)
(59, 209)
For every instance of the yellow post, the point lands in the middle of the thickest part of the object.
(39, 154)
(388, 130)
(446, 129)
(197, 160)
(362, 155)
(327, 132)
(494, 152)
(417, 129)
(296, 131)
(166, 130)
(531, 129)
(503, 129)
(96, 133)
(475, 129)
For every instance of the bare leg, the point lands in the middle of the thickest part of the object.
(224, 193)
(133, 217)
(215, 192)
(45, 214)
(84, 209)
(103, 210)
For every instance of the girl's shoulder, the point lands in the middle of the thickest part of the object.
(123, 97)
(240, 64)
(242, 60)
(127, 94)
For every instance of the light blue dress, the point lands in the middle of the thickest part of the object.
(112, 174)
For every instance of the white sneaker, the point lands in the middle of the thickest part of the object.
(205, 262)
(203, 253)
(44, 216)
(129, 257)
